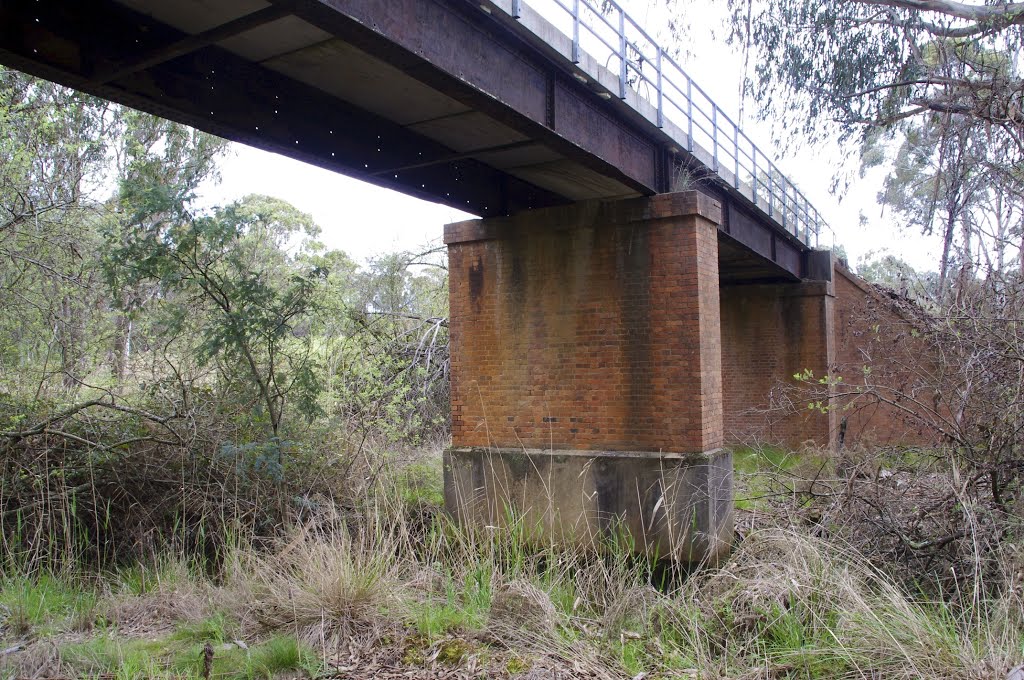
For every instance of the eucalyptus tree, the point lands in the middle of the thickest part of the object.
(159, 167)
(240, 282)
(861, 64)
(53, 146)
(938, 81)
(938, 183)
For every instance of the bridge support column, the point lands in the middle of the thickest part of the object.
(586, 375)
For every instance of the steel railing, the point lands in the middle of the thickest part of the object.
(600, 35)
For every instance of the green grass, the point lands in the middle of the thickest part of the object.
(464, 607)
(108, 654)
(217, 629)
(279, 654)
(749, 460)
(177, 658)
(756, 467)
(42, 603)
(421, 483)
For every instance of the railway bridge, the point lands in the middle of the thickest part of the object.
(641, 274)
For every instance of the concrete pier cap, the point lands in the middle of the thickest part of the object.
(587, 376)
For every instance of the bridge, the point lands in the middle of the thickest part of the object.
(642, 272)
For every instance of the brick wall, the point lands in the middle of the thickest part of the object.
(591, 327)
(770, 333)
(872, 334)
(843, 328)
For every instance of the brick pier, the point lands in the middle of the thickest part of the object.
(587, 374)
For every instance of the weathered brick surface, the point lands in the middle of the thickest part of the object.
(590, 327)
(769, 334)
(880, 351)
(845, 329)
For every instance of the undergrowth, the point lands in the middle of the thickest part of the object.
(359, 592)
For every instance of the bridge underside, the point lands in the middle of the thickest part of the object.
(434, 98)
(305, 80)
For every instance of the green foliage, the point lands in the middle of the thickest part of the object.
(234, 265)
(892, 272)
(36, 603)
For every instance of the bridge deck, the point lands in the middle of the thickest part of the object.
(471, 104)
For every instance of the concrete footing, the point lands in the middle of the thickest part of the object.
(669, 505)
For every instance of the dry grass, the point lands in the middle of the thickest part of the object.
(382, 590)
(323, 583)
(787, 601)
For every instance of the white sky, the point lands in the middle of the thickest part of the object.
(365, 220)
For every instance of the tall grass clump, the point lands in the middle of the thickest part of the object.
(802, 606)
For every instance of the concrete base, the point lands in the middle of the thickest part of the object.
(678, 505)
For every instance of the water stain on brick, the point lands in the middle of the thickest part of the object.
(635, 303)
(476, 282)
(517, 278)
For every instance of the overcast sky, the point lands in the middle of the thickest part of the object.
(365, 220)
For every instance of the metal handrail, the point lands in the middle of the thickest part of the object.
(680, 108)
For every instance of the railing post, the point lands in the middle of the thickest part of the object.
(736, 153)
(689, 114)
(622, 53)
(753, 173)
(785, 201)
(714, 135)
(516, 8)
(575, 31)
(661, 106)
(771, 190)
